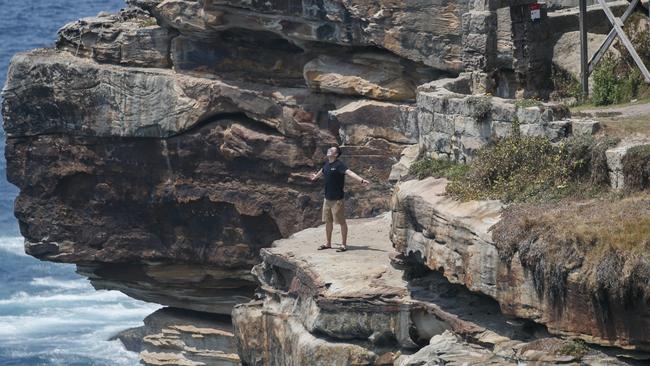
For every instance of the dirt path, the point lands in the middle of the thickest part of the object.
(625, 111)
(621, 121)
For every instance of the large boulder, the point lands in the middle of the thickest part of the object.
(131, 38)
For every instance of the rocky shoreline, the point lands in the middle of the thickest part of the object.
(166, 151)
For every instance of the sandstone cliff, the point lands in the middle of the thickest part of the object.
(455, 238)
(361, 308)
(164, 149)
(160, 146)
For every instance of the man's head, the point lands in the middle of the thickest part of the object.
(333, 152)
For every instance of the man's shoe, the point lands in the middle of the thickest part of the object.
(324, 247)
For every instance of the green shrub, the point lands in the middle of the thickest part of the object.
(528, 168)
(586, 158)
(630, 85)
(618, 80)
(607, 88)
(148, 22)
(437, 168)
(576, 348)
(527, 102)
(480, 106)
(565, 85)
(513, 169)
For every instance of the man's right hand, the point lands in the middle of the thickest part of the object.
(313, 177)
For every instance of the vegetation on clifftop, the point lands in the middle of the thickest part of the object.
(562, 215)
(636, 168)
(438, 168)
(618, 79)
(526, 169)
(608, 238)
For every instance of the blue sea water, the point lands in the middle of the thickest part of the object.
(49, 315)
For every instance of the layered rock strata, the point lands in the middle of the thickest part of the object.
(185, 338)
(456, 117)
(161, 148)
(356, 308)
(426, 33)
(184, 131)
(199, 287)
(167, 168)
(130, 38)
(454, 238)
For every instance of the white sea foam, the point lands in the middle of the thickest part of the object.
(24, 299)
(66, 350)
(13, 244)
(61, 284)
(101, 320)
(18, 326)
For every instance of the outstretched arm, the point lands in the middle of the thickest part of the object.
(354, 175)
(315, 176)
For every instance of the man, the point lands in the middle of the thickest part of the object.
(335, 171)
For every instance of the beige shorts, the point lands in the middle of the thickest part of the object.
(333, 211)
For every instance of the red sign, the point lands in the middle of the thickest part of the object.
(535, 11)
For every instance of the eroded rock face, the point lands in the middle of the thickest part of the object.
(371, 74)
(162, 156)
(148, 165)
(454, 238)
(362, 121)
(323, 307)
(130, 38)
(241, 55)
(449, 349)
(361, 308)
(183, 338)
(423, 32)
(198, 287)
(54, 92)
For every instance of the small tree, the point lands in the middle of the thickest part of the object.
(606, 82)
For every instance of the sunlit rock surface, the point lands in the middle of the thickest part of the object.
(454, 238)
(357, 307)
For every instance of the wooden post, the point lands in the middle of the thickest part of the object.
(618, 26)
(584, 62)
(595, 59)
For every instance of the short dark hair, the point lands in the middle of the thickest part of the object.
(338, 151)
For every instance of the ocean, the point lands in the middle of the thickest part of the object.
(49, 315)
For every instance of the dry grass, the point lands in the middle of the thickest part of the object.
(626, 126)
(606, 240)
(532, 169)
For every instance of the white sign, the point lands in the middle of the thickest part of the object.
(535, 14)
(535, 11)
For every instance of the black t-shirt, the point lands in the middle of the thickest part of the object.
(334, 179)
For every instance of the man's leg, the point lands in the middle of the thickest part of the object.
(329, 224)
(339, 218)
(344, 234)
(328, 232)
